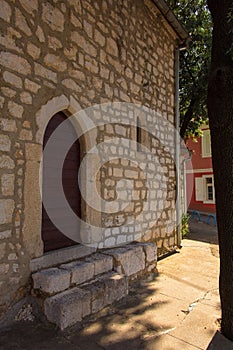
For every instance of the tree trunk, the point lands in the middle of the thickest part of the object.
(220, 110)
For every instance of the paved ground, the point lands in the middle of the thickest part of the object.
(178, 309)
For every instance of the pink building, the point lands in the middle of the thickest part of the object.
(199, 175)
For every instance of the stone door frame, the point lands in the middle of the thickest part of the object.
(32, 188)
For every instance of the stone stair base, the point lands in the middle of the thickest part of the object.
(69, 307)
(69, 292)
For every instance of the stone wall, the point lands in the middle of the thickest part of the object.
(92, 52)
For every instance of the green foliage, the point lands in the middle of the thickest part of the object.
(194, 63)
(185, 225)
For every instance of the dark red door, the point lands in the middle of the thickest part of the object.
(52, 237)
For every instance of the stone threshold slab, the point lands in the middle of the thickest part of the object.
(60, 256)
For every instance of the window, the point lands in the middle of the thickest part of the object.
(204, 189)
(206, 144)
(138, 135)
(208, 189)
(142, 135)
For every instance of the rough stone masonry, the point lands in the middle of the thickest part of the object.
(65, 55)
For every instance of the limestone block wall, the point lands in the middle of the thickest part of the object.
(150, 170)
(52, 54)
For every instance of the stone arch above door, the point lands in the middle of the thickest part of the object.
(32, 189)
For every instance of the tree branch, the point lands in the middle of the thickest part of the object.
(188, 117)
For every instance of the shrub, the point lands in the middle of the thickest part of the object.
(185, 225)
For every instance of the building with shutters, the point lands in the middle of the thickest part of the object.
(199, 175)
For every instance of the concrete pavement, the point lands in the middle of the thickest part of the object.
(178, 309)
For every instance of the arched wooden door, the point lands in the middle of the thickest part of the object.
(52, 237)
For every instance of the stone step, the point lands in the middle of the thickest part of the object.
(82, 287)
(134, 258)
(65, 276)
(71, 306)
(129, 260)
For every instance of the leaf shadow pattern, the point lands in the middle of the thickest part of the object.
(118, 327)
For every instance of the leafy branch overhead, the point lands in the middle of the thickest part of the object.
(194, 64)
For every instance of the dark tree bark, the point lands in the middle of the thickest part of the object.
(220, 109)
(187, 118)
